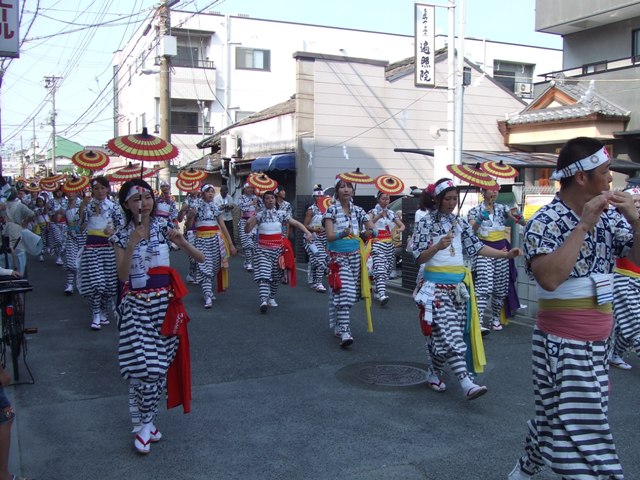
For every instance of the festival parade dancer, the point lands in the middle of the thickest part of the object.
(153, 350)
(213, 240)
(570, 249)
(56, 207)
(348, 276)
(269, 256)
(626, 304)
(97, 278)
(190, 232)
(74, 240)
(166, 207)
(383, 250)
(492, 276)
(249, 204)
(42, 224)
(316, 249)
(446, 294)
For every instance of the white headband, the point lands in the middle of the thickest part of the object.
(633, 191)
(584, 164)
(441, 187)
(135, 190)
(206, 187)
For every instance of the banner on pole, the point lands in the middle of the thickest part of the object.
(425, 45)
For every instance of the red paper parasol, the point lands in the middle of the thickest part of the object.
(389, 184)
(32, 187)
(192, 175)
(53, 178)
(186, 185)
(75, 184)
(262, 182)
(48, 187)
(323, 203)
(355, 177)
(90, 160)
(143, 147)
(130, 172)
(474, 175)
(499, 169)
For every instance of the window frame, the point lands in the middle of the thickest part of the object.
(241, 54)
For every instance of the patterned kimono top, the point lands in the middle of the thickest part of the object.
(270, 221)
(147, 253)
(496, 222)
(247, 209)
(166, 208)
(551, 225)
(433, 226)
(56, 208)
(72, 215)
(384, 223)
(99, 213)
(206, 213)
(316, 219)
(340, 220)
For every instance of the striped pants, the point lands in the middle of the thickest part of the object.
(626, 313)
(266, 271)
(56, 238)
(446, 343)
(72, 245)
(247, 241)
(340, 303)
(317, 261)
(384, 261)
(490, 280)
(97, 277)
(570, 432)
(207, 270)
(144, 354)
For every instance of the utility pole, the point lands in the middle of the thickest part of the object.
(167, 51)
(51, 83)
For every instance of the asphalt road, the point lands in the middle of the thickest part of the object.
(274, 397)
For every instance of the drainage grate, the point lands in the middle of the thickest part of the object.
(388, 374)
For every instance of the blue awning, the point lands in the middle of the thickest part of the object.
(285, 161)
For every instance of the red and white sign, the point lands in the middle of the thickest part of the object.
(9, 29)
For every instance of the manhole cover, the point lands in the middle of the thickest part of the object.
(383, 374)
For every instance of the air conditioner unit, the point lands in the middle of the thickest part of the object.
(524, 88)
(230, 146)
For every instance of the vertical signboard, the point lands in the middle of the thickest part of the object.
(9, 19)
(425, 45)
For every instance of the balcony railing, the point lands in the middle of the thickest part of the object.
(593, 68)
(188, 63)
(191, 129)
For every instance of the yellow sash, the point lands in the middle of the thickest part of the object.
(207, 233)
(365, 284)
(475, 336)
(494, 236)
(626, 273)
(97, 233)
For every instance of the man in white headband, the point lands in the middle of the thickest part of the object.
(570, 246)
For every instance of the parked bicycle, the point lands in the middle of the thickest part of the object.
(14, 340)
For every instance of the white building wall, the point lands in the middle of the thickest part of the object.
(360, 118)
(227, 90)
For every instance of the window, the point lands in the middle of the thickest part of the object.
(187, 57)
(594, 67)
(253, 59)
(184, 122)
(635, 45)
(506, 79)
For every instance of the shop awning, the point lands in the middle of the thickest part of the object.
(284, 161)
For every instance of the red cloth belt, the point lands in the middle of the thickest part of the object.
(175, 324)
(271, 241)
(383, 234)
(208, 228)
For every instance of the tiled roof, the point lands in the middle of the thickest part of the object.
(588, 102)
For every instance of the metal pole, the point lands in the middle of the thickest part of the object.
(451, 79)
(50, 83)
(457, 159)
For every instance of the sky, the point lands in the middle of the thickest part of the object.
(75, 40)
